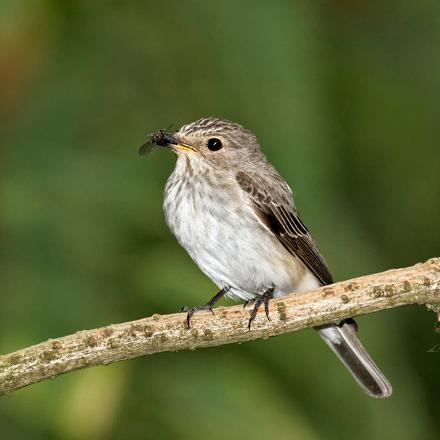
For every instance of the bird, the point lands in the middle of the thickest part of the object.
(235, 216)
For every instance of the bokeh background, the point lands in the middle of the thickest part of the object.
(344, 97)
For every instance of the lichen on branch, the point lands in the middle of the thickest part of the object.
(419, 284)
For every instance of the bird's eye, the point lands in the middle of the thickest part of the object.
(214, 144)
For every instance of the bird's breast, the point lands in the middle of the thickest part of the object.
(214, 221)
(200, 210)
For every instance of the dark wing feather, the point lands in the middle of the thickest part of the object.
(279, 214)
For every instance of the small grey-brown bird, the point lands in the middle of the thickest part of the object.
(235, 216)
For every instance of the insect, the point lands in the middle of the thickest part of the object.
(160, 138)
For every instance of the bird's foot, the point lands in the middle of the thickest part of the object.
(208, 306)
(263, 299)
(249, 301)
(191, 310)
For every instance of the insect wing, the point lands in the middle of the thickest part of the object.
(146, 148)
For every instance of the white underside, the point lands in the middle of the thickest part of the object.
(228, 241)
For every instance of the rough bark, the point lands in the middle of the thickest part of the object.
(419, 284)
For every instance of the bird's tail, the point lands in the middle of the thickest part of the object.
(343, 341)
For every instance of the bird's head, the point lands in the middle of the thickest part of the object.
(214, 142)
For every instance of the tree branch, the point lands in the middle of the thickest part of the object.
(419, 284)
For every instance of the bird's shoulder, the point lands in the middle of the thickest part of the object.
(266, 186)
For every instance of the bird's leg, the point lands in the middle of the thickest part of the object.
(263, 299)
(208, 306)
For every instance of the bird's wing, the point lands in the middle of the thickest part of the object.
(277, 211)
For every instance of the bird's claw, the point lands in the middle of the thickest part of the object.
(191, 310)
(249, 301)
(263, 299)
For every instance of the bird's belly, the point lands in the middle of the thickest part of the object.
(229, 244)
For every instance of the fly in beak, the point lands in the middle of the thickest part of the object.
(167, 140)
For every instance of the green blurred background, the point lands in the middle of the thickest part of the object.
(344, 97)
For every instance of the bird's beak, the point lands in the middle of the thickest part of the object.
(182, 147)
(168, 140)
